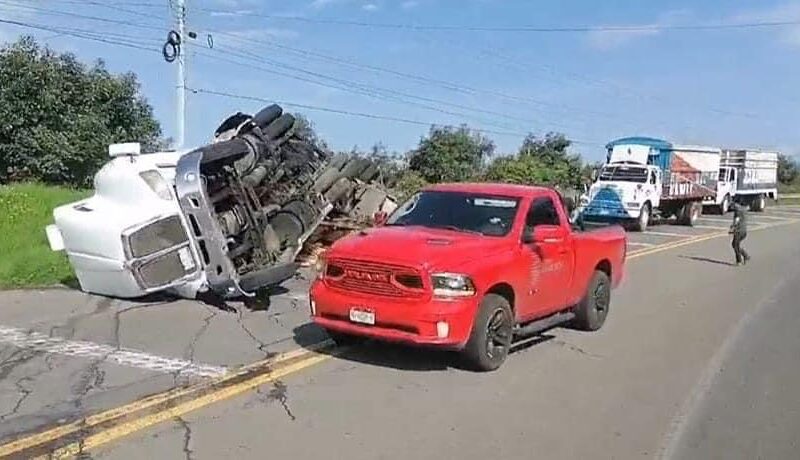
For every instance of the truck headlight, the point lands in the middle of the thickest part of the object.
(157, 184)
(452, 285)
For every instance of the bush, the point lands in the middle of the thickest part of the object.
(57, 116)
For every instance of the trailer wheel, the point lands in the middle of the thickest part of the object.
(758, 204)
(644, 219)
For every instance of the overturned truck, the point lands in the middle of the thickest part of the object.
(229, 217)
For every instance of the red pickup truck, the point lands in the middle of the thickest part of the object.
(469, 267)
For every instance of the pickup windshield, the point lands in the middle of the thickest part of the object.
(623, 173)
(458, 211)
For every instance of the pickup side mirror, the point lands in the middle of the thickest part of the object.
(543, 234)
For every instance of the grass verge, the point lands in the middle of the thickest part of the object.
(25, 256)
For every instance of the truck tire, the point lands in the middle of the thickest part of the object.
(591, 312)
(644, 219)
(490, 339)
(689, 214)
(758, 204)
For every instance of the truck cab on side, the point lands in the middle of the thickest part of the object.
(469, 267)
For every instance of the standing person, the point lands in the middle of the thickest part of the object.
(739, 232)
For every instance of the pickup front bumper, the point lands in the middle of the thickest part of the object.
(424, 322)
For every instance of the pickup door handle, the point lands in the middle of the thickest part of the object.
(553, 240)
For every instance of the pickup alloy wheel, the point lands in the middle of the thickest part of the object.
(591, 312)
(492, 332)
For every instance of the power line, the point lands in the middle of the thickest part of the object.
(104, 38)
(522, 28)
(52, 12)
(344, 85)
(358, 114)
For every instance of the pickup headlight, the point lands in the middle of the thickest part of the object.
(452, 285)
(157, 184)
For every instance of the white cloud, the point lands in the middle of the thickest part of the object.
(614, 36)
(407, 5)
(370, 7)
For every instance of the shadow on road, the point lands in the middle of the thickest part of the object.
(397, 356)
(708, 260)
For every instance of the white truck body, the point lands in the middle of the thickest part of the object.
(644, 177)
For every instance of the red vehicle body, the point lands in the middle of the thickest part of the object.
(430, 284)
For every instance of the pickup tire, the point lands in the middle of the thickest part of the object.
(591, 312)
(492, 332)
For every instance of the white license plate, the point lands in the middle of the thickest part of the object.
(604, 212)
(186, 258)
(359, 315)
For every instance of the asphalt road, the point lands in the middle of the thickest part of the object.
(695, 361)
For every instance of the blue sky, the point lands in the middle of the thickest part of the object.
(727, 88)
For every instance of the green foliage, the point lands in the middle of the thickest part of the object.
(409, 183)
(540, 162)
(304, 128)
(57, 116)
(787, 170)
(450, 154)
(26, 256)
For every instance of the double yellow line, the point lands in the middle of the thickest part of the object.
(72, 439)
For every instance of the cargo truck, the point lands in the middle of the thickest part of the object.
(748, 177)
(646, 177)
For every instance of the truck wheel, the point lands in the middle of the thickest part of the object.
(689, 214)
(644, 219)
(758, 204)
(491, 335)
(591, 312)
(341, 339)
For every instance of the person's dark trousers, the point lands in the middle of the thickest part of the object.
(741, 254)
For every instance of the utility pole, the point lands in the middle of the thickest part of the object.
(181, 86)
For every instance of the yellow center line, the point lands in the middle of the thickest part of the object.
(146, 403)
(219, 390)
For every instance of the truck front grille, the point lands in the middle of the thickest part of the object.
(375, 278)
(163, 270)
(157, 236)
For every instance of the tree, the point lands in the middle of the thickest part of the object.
(787, 169)
(542, 161)
(450, 154)
(305, 129)
(57, 116)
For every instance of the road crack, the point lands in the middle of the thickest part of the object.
(575, 348)
(261, 345)
(187, 437)
(279, 393)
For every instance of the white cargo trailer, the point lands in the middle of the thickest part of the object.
(748, 177)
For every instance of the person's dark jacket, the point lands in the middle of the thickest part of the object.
(739, 219)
